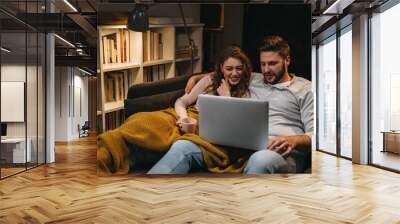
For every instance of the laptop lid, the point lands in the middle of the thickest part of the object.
(235, 122)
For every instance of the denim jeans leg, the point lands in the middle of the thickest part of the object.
(180, 159)
(267, 161)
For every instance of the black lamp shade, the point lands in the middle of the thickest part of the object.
(138, 19)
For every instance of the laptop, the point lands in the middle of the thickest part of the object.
(234, 122)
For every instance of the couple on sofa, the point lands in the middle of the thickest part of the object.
(165, 138)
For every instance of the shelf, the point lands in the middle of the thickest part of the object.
(153, 26)
(176, 25)
(186, 59)
(104, 27)
(113, 106)
(135, 68)
(157, 62)
(119, 66)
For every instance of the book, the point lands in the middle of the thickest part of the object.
(155, 46)
(160, 46)
(151, 46)
(115, 86)
(155, 73)
(110, 54)
(145, 46)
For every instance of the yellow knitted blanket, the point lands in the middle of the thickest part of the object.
(157, 131)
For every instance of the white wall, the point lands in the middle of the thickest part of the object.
(71, 93)
(80, 109)
(33, 127)
(16, 73)
(61, 103)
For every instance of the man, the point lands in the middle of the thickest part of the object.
(290, 117)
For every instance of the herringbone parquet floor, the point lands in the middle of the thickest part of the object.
(69, 191)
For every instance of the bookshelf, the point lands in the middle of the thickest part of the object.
(127, 57)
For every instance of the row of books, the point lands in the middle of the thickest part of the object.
(114, 83)
(125, 37)
(152, 46)
(116, 47)
(114, 52)
(114, 119)
(154, 73)
(110, 49)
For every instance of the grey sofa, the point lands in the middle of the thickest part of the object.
(163, 94)
(154, 95)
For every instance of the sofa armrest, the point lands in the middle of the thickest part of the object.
(152, 103)
(155, 95)
(157, 87)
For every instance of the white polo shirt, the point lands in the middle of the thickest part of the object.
(291, 104)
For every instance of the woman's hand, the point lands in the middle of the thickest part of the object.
(179, 121)
(224, 89)
(187, 124)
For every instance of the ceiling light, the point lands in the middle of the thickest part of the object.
(70, 5)
(86, 72)
(65, 41)
(337, 7)
(5, 50)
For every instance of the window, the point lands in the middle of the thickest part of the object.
(22, 75)
(327, 96)
(346, 92)
(385, 84)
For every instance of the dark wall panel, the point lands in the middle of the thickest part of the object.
(292, 22)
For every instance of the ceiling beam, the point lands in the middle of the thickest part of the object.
(83, 61)
(84, 24)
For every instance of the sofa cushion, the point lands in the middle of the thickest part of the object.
(157, 87)
(152, 103)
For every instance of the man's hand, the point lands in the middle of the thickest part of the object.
(284, 145)
(224, 89)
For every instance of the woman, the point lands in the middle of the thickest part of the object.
(232, 78)
(145, 135)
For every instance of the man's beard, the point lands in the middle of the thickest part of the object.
(277, 77)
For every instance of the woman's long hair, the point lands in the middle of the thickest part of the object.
(241, 89)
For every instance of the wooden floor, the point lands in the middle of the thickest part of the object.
(70, 192)
(10, 171)
(386, 159)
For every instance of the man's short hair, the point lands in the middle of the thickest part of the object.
(276, 44)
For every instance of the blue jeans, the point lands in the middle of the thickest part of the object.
(184, 156)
